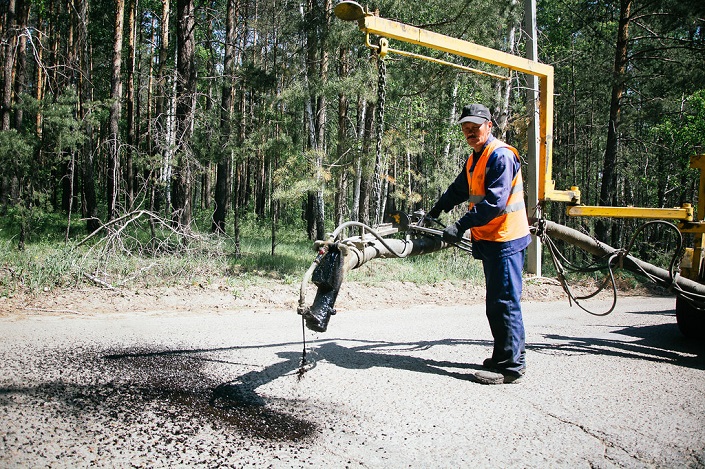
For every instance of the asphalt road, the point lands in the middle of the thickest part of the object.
(383, 389)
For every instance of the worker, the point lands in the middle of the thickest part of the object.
(497, 219)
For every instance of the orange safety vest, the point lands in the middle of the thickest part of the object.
(512, 223)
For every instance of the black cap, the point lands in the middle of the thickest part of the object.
(475, 113)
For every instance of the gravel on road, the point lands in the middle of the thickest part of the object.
(385, 387)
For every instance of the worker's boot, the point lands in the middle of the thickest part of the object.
(489, 364)
(497, 377)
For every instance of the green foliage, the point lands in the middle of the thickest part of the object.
(677, 138)
(137, 261)
(450, 265)
(64, 132)
(16, 153)
(683, 135)
(291, 259)
(664, 52)
(296, 177)
(41, 266)
(281, 50)
(46, 225)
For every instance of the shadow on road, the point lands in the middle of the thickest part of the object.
(661, 343)
(239, 396)
(658, 343)
(178, 384)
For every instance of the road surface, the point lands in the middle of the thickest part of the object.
(383, 388)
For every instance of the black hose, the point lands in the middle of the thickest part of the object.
(690, 290)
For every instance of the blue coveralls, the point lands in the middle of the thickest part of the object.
(502, 262)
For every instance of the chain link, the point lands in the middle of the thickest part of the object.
(381, 98)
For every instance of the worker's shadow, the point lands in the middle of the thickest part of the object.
(397, 356)
(361, 355)
(662, 343)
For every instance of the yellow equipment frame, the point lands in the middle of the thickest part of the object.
(684, 213)
(372, 24)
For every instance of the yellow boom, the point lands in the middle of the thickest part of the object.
(372, 24)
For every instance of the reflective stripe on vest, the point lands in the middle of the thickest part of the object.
(512, 223)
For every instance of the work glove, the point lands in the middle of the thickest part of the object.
(452, 233)
(435, 212)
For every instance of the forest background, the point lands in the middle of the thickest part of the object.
(147, 128)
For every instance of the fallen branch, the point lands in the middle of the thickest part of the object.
(134, 216)
(44, 310)
(542, 280)
(99, 281)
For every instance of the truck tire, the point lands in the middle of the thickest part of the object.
(691, 321)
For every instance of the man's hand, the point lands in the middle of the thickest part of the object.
(451, 234)
(435, 212)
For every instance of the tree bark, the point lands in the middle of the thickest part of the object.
(609, 166)
(115, 111)
(160, 123)
(9, 44)
(321, 116)
(309, 59)
(377, 173)
(452, 121)
(160, 104)
(40, 82)
(358, 158)
(343, 147)
(222, 181)
(130, 103)
(365, 170)
(82, 53)
(504, 87)
(185, 93)
(23, 7)
(317, 18)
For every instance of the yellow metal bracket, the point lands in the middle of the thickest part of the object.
(384, 49)
(697, 227)
(684, 213)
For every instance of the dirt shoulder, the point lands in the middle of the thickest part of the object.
(274, 295)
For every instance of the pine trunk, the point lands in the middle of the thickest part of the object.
(8, 55)
(115, 108)
(82, 53)
(609, 166)
(222, 178)
(21, 67)
(131, 107)
(182, 186)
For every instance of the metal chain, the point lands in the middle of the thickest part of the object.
(381, 98)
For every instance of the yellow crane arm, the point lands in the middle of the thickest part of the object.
(372, 24)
